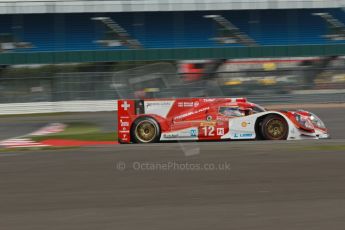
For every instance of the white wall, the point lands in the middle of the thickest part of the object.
(57, 107)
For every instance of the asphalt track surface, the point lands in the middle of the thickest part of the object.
(209, 185)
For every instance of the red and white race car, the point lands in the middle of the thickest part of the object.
(154, 120)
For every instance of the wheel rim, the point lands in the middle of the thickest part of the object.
(145, 131)
(276, 129)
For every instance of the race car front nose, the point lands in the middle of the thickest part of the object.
(323, 136)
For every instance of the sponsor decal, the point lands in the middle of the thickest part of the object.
(160, 108)
(193, 132)
(183, 115)
(244, 124)
(124, 123)
(124, 137)
(209, 118)
(242, 135)
(149, 104)
(222, 118)
(220, 131)
(187, 104)
(124, 131)
(185, 133)
(170, 135)
(191, 113)
(208, 100)
(208, 123)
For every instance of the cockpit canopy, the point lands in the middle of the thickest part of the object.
(238, 111)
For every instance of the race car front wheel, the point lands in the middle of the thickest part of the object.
(145, 130)
(274, 127)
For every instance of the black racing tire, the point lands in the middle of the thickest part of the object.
(274, 127)
(145, 130)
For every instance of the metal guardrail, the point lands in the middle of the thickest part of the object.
(82, 90)
(161, 82)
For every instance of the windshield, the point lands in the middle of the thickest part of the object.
(238, 112)
(258, 109)
(231, 111)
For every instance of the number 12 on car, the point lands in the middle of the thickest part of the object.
(210, 131)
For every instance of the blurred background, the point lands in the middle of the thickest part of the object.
(269, 51)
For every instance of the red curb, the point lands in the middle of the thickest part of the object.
(71, 143)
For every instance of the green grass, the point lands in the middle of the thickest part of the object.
(80, 131)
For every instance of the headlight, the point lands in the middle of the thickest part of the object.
(304, 121)
(317, 121)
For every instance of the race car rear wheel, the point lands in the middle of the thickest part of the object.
(145, 130)
(274, 127)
